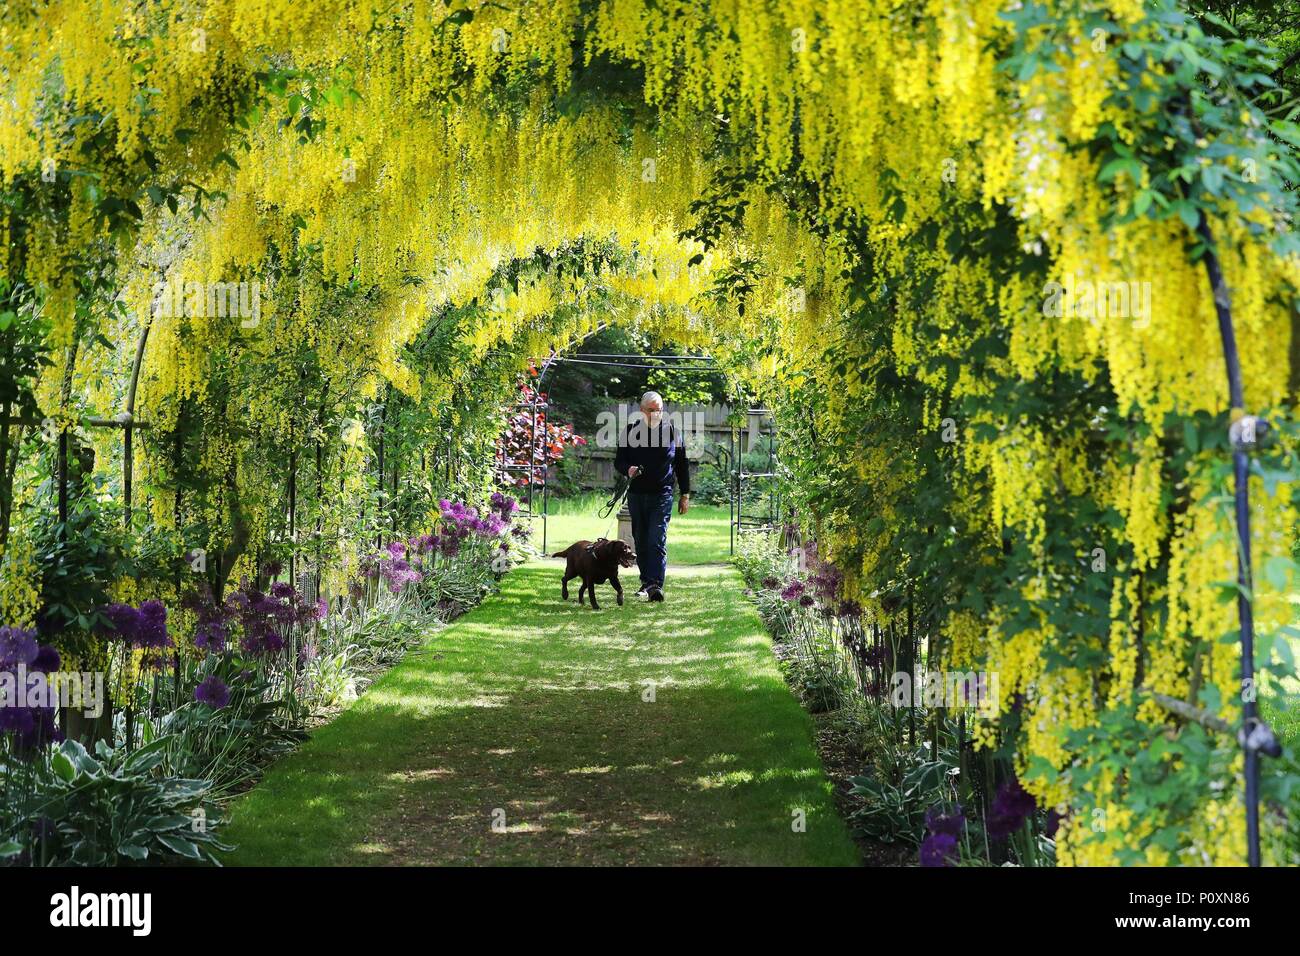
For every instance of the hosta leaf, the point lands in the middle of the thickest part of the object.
(180, 847)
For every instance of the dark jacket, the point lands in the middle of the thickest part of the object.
(659, 453)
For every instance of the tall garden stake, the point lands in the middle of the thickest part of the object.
(1255, 736)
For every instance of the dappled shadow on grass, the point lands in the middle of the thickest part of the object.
(534, 716)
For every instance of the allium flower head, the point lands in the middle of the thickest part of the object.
(17, 646)
(153, 625)
(124, 622)
(939, 819)
(1010, 807)
(939, 849)
(47, 660)
(213, 692)
(210, 636)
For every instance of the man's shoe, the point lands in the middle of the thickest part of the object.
(655, 593)
(642, 594)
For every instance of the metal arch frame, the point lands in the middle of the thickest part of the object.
(739, 476)
(125, 421)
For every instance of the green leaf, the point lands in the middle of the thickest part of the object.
(147, 757)
(1212, 177)
(10, 848)
(1277, 571)
(62, 765)
(1284, 651)
(180, 847)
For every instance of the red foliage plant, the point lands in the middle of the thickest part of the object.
(519, 443)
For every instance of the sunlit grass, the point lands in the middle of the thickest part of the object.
(698, 537)
(647, 734)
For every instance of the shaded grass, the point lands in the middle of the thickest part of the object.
(698, 537)
(1279, 705)
(535, 709)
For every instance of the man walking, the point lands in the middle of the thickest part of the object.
(652, 455)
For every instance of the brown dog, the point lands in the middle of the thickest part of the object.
(595, 562)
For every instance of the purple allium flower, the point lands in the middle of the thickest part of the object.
(807, 600)
(153, 626)
(397, 549)
(825, 578)
(213, 692)
(1010, 807)
(282, 590)
(17, 646)
(47, 660)
(939, 820)
(849, 609)
(792, 590)
(504, 505)
(1053, 822)
(124, 622)
(939, 849)
(211, 636)
(770, 583)
(29, 727)
(272, 569)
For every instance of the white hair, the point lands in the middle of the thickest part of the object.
(652, 397)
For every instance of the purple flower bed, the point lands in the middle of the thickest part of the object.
(27, 721)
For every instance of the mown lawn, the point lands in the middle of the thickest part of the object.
(536, 716)
(698, 537)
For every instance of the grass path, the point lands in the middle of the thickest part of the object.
(531, 714)
(699, 537)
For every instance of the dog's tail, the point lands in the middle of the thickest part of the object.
(564, 553)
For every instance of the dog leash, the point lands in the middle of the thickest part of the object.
(620, 492)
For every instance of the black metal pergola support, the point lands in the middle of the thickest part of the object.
(1255, 737)
(739, 476)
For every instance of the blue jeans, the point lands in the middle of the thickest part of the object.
(650, 515)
